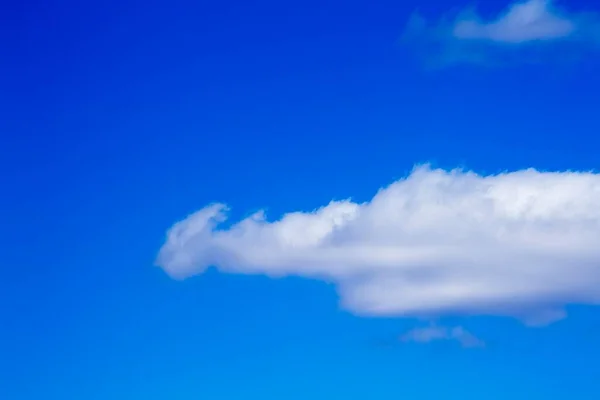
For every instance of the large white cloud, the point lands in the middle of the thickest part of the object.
(436, 243)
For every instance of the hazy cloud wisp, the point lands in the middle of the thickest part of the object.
(441, 333)
(471, 37)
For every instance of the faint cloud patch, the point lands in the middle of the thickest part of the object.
(441, 333)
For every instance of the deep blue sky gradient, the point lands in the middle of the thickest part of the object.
(119, 118)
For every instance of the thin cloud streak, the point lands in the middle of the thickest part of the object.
(441, 333)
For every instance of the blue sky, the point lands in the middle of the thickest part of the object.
(121, 118)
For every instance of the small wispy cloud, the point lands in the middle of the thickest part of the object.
(469, 37)
(441, 333)
(534, 20)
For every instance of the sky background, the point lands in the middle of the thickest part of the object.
(119, 118)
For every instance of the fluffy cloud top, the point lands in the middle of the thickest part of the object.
(522, 244)
(471, 37)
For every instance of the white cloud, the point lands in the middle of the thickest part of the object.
(523, 22)
(522, 244)
(471, 37)
(437, 333)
